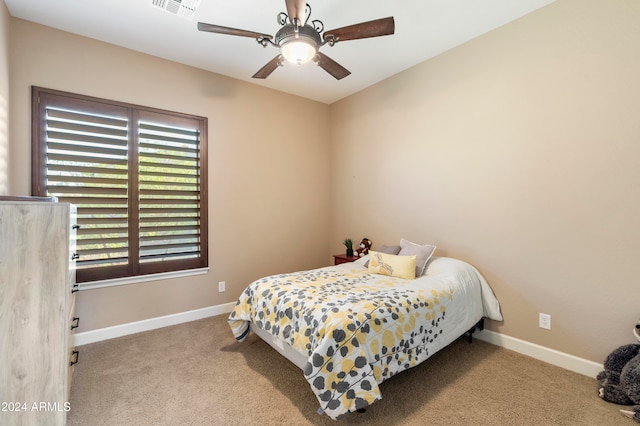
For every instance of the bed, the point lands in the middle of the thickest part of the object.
(349, 329)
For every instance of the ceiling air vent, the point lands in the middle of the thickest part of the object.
(182, 8)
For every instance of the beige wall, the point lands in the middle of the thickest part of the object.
(5, 22)
(520, 153)
(268, 189)
(517, 152)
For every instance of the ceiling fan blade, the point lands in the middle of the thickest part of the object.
(378, 27)
(296, 9)
(266, 70)
(332, 67)
(219, 29)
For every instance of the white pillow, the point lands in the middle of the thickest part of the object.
(422, 253)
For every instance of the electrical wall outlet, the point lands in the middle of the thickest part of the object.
(545, 321)
(222, 286)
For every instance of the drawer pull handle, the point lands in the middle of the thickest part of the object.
(75, 288)
(74, 356)
(76, 226)
(75, 323)
(75, 256)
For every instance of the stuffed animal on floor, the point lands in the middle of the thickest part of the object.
(620, 380)
(365, 245)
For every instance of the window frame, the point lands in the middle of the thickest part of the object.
(89, 104)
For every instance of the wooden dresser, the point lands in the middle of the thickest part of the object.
(37, 302)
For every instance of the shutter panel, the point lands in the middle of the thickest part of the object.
(169, 188)
(86, 164)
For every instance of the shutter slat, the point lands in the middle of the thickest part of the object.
(71, 149)
(56, 189)
(164, 257)
(168, 211)
(148, 174)
(193, 246)
(171, 228)
(152, 147)
(60, 114)
(87, 221)
(85, 127)
(74, 169)
(194, 134)
(54, 135)
(100, 241)
(106, 251)
(174, 192)
(92, 211)
(78, 158)
(88, 230)
(148, 241)
(83, 178)
(148, 157)
(144, 166)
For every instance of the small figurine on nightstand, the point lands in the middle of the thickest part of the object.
(363, 249)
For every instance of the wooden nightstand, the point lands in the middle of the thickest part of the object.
(343, 258)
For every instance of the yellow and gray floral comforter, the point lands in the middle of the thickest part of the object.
(358, 329)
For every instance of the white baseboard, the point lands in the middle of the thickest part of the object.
(550, 356)
(149, 324)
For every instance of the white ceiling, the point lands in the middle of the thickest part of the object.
(424, 28)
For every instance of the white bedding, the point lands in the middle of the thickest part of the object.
(350, 330)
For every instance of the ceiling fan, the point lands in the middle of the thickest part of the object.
(299, 41)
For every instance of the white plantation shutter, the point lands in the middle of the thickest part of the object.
(136, 176)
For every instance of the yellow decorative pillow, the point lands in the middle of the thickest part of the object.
(392, 265)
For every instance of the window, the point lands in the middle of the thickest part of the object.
(137, 175)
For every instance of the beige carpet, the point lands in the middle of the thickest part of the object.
(196, 374)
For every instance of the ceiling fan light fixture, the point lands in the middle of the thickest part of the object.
(300, 41)
(298, 44)
(298, 51)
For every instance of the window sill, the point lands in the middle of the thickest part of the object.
(141, 279)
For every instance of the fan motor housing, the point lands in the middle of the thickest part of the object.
(288, 32)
